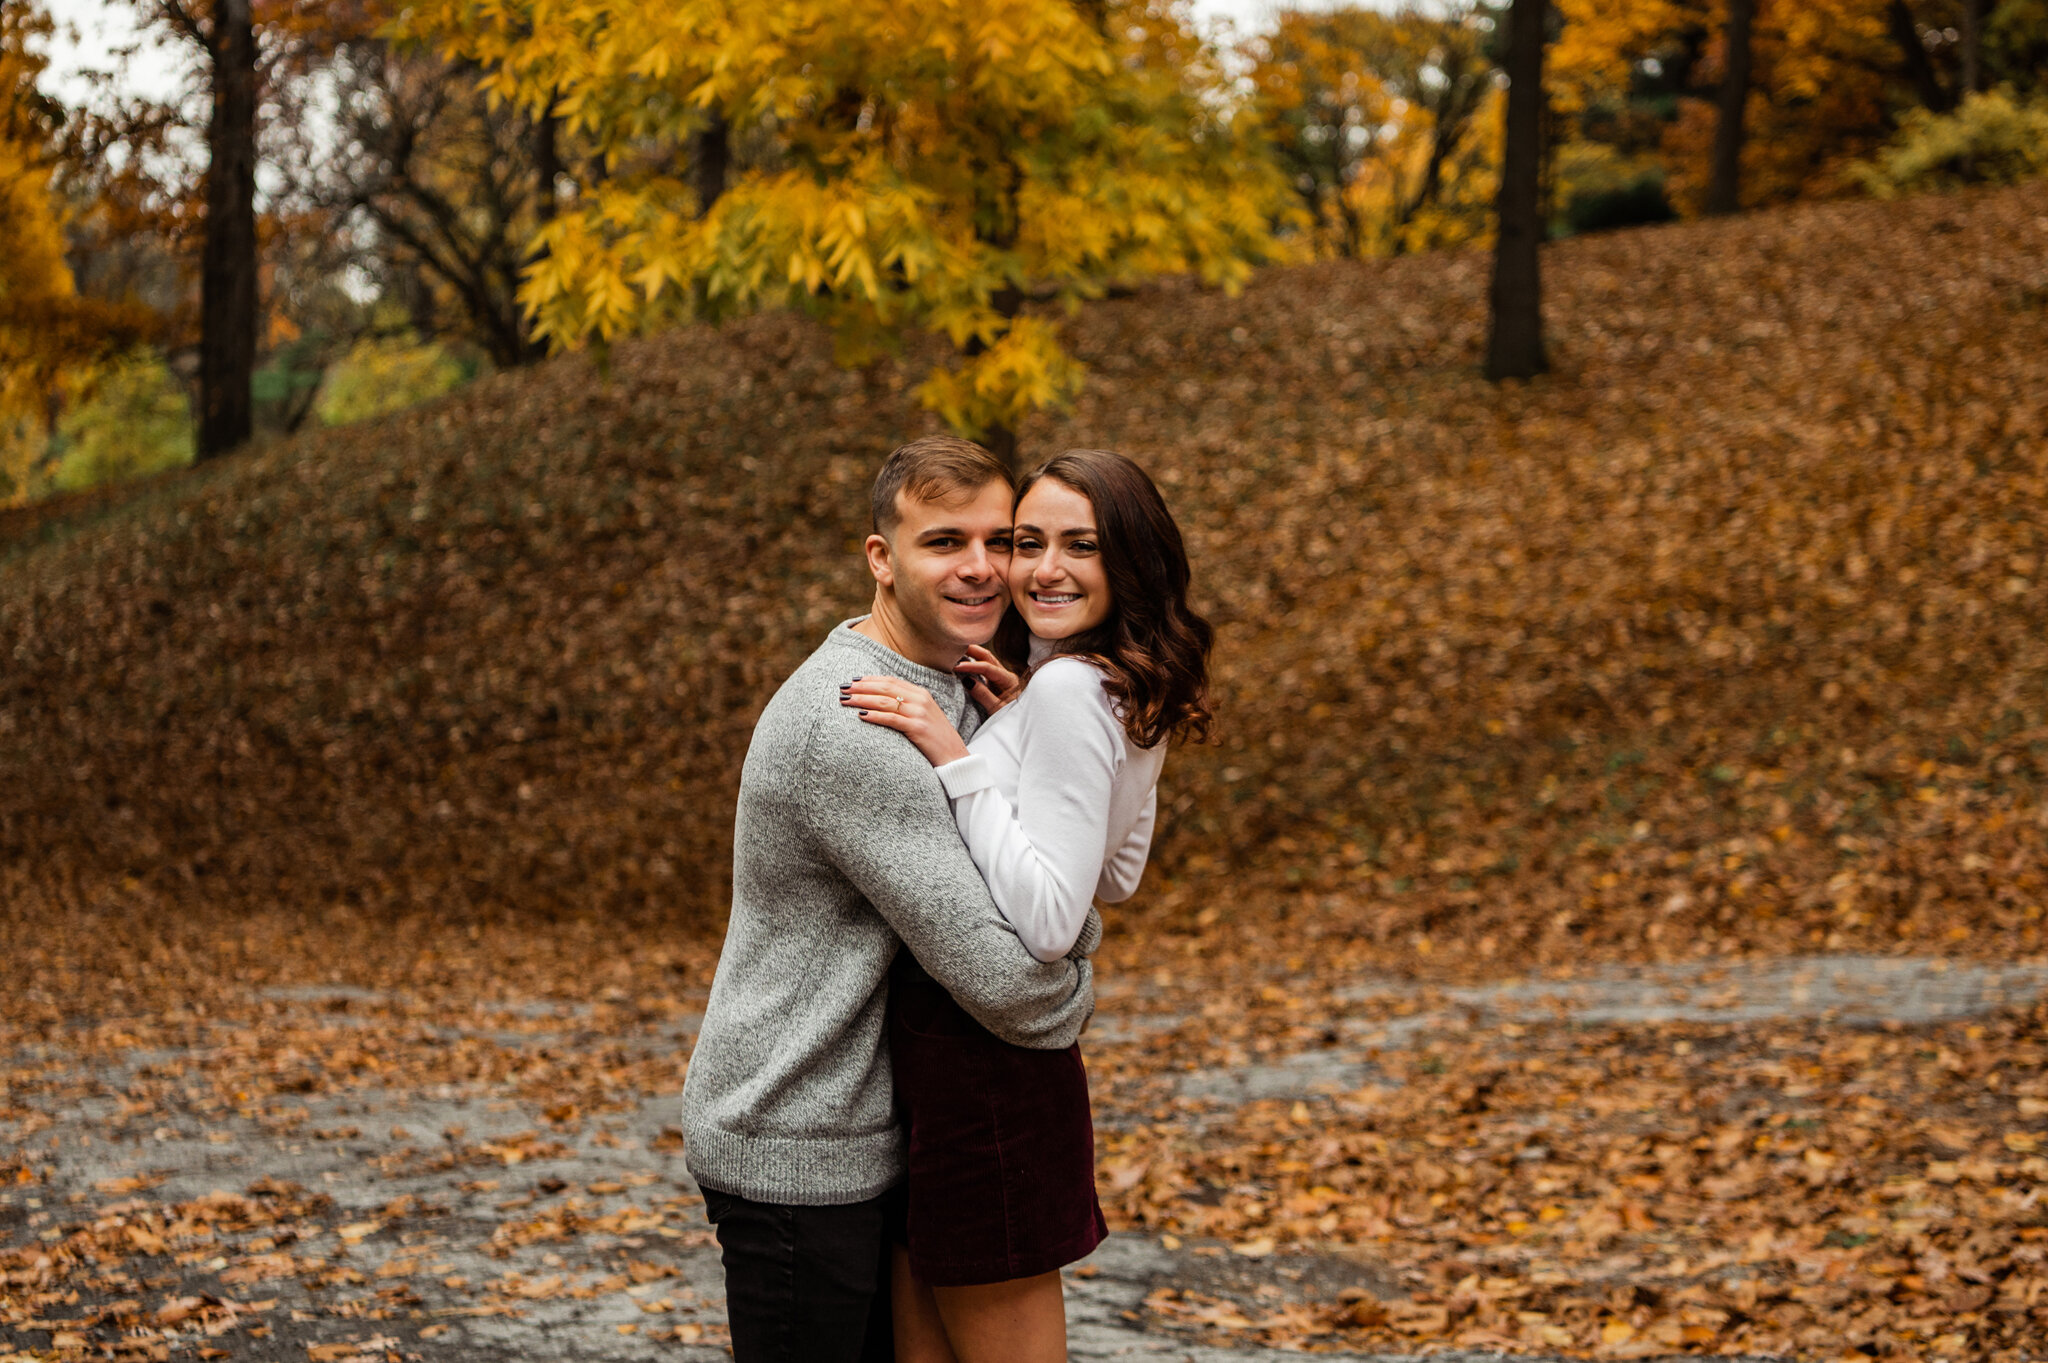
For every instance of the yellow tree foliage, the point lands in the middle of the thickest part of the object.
(1385, 123)
(1600, 42)
(51, 340)
(34, 287)
(35, 284)
(1823, 70)
(900, 165)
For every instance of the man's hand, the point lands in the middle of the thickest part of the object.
(908, 709)
(989, 684)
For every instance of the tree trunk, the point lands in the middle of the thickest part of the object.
(1001, 442)
(1724, 190)
(1919, 66)
(1515, 349)
(710, 159)
(227, 288)
(999, 439)
(1973, 46)
(547, 163)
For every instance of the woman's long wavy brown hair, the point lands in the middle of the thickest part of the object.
(1152, 648)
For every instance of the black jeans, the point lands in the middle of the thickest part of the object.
(806, 1284)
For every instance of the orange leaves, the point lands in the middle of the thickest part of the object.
(1676, 1217)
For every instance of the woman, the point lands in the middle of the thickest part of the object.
(1055, 798)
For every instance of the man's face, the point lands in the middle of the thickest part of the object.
(946, 567)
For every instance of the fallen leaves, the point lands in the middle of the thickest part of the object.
(1625, 1192)
(1725, 638)
(376, 1350)
(1718, 637)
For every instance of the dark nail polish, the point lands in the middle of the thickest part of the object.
(860, 712)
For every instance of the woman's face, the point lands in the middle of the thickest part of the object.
(1057, 579)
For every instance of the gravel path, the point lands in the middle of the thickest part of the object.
(437, 1197)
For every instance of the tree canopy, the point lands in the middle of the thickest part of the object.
(897, 165)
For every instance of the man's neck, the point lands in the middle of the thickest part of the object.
(887, 628)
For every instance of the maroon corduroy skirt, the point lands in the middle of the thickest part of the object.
(1002, 1146)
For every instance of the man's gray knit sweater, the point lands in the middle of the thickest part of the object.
(844, 845)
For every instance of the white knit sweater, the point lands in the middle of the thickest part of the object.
(1056, 805)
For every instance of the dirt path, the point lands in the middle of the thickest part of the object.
(446, 1220)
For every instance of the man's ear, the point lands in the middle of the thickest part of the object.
(879, 561)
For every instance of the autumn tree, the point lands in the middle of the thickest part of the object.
(895, 165)
(448, 185)
(1365, 110)
(241, 46)
(1724, 191)
(50, 338)
(224, 31)
(33, 278)
(1763, 101)
(1950, 49)
(1515, 345)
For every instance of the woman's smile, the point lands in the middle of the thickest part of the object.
(1057, 577)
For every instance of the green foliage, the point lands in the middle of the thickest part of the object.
(381, 375)
(137, 422)
(285, 386)
(1599, 187)
(1990, 139)
(2016, 44)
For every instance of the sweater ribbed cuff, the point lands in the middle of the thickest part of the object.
(965, 775)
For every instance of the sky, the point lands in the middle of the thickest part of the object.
(100, 28)
(103, 25)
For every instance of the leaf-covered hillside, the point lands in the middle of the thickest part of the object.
(1728, 632)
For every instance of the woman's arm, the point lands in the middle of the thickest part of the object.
(1126, 865)
(1043, 858)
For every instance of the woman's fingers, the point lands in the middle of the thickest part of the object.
(987, 699)
(980, 662)
(886, 695)
(993, 674)
(886, 719)
(893, 703)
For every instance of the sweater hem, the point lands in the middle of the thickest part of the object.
(800, 1171)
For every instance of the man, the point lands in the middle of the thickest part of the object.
(844, 847)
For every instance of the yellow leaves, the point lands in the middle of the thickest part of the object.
(996, 145)
(1025, 367)
(1599, 43)
(1991, 138)
(1374, 119)
(35, 291)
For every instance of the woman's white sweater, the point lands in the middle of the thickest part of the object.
(1056, 804)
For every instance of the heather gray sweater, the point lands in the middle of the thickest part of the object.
(843, 845)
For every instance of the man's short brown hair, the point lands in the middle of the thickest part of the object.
(936, 468)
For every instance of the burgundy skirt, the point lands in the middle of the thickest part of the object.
(1002, 1146)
